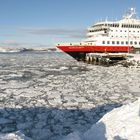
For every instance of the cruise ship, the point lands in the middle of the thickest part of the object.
(122, 36)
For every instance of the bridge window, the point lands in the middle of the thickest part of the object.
(108, 42)
(122, 42)
(135, 43)
(131, 42)
(118, 42)
(130, 26)
(126, 42)
(103, 42)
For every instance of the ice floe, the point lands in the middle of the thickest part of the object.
(14, 136)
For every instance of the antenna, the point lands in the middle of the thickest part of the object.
(130, 14)
(106, 19)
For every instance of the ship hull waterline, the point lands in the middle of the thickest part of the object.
(79, 52)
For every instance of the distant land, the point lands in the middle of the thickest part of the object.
(5, 49)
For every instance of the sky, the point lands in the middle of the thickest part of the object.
(44, 23)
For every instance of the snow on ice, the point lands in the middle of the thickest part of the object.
(120, 124)
(14, 136)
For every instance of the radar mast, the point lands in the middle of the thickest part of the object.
(130, 14)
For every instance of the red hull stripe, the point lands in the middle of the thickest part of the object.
(95, 48)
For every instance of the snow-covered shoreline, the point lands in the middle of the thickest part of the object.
(12, 49)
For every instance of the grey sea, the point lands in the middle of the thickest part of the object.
(48, 95)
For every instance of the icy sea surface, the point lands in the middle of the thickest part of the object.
(46, 96)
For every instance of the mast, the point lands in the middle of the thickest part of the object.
(130, 14)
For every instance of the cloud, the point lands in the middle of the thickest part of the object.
(12, 35)
(16, 44)
(73, 33)
(18, 37)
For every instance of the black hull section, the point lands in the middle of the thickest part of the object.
(79, 56)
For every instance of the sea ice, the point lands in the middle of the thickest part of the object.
(120, 123)
(59, 96)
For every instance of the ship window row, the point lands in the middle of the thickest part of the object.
(97, 30)
(117, 25)
(112, 25)
(125, 31)
(121, 42)
(103, 29)
(125, 36)
(130, 26)
(98, 25)
(107, 25)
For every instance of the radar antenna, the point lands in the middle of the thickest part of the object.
(130, 14)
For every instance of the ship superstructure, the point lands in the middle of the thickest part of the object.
(108, 36)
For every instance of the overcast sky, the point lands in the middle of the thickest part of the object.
(44, 23)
